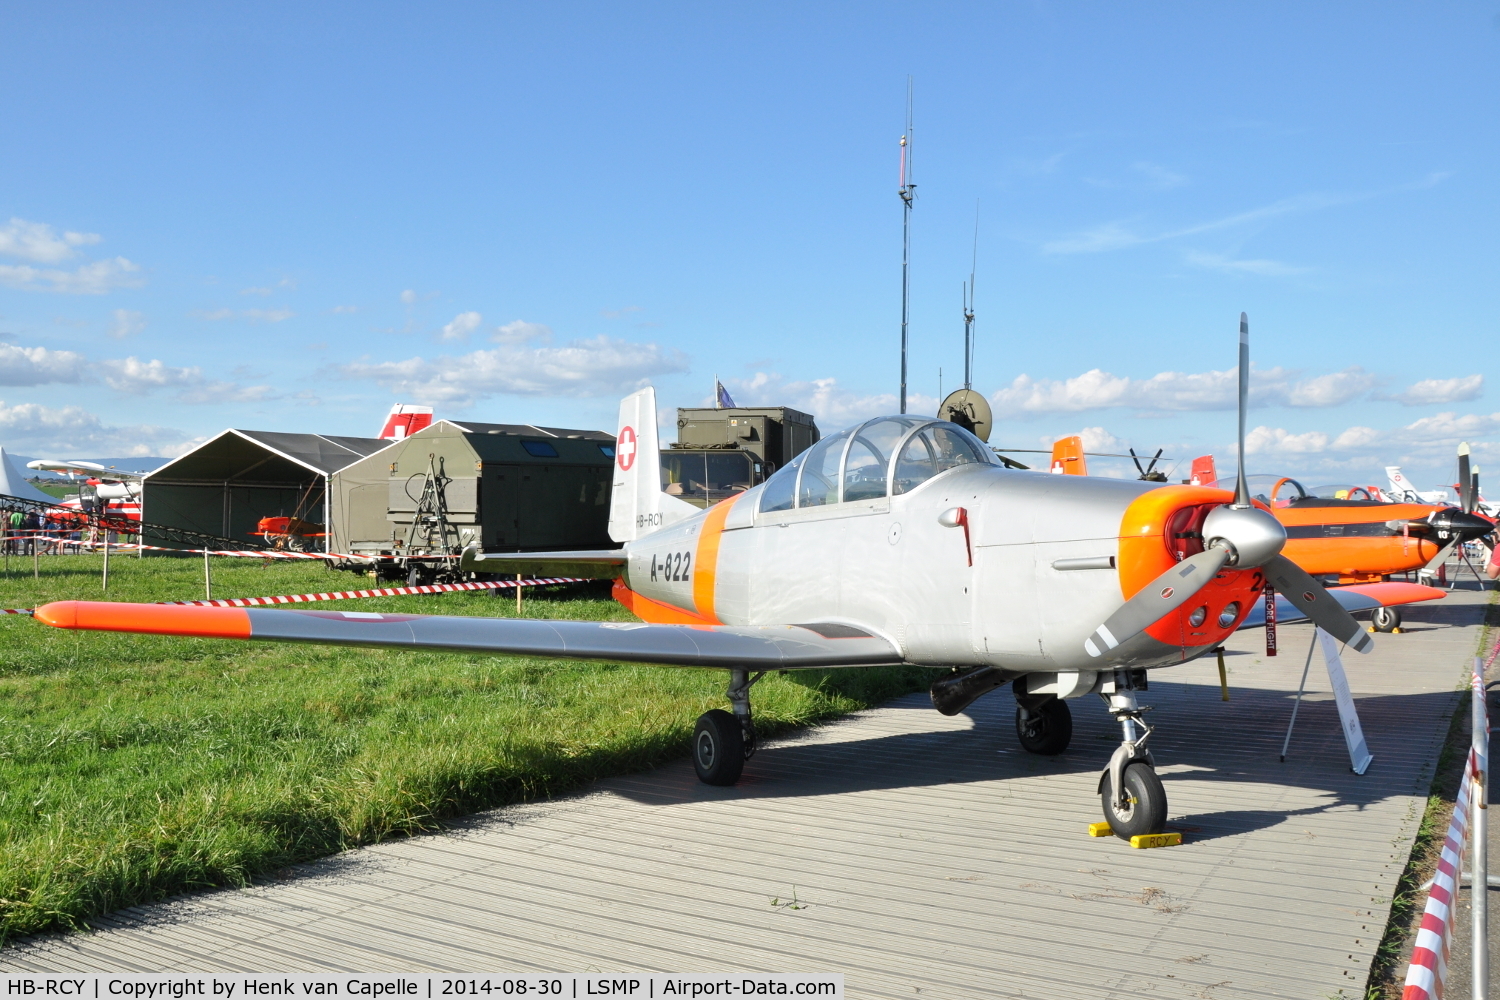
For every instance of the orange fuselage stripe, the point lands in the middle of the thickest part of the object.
(110, 616)
(706, 559)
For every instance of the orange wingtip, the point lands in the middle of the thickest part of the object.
(1391, 594)
(157, 619)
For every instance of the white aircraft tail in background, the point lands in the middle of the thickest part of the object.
(637, 505)
(1402, 490)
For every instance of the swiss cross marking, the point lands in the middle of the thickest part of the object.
(625, 448)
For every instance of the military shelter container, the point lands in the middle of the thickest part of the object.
(226, 485)
(510, 487)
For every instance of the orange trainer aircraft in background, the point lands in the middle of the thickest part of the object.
(1356, 533)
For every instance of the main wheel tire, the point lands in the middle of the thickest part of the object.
(1047, 729)
(718, 748)
(1386, 619)
(1145, 809)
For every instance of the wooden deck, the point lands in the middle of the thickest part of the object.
(916, 854)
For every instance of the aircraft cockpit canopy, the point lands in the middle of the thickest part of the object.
(1283, 491)
(883, 457)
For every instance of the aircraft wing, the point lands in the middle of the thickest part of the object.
(766, 647)
(593, 564)
(1354, 598)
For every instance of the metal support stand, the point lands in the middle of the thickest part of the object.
(738, 694)
(1479, 836)
(1301, 687)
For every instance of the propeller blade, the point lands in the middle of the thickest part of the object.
(1465, 481)
(1242, 489)
(1442, 556)
(1168, 592)
(1293, 583)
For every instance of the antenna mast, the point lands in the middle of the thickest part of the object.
(907, 192)
(969, 307)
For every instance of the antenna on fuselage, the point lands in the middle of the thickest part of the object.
(907, 191)
(969, 306)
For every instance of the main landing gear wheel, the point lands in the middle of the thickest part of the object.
(1046, 728)
(718, 748)
(1386, 619)
(723, 742)
(1145, 807)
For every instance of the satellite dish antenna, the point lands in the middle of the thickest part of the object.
(969, 410)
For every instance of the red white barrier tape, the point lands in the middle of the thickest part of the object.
(1428, 972)
(344, 595)
(1429, 954)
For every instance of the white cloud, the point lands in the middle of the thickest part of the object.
(1439, 391)
(1276, 441)
(1335, 389)
(601, 366)
(40, 366)
(1177, 391)
(252, 315)
(94, 278)
(1226, 265)
(834, 406)
(1430, 442)
(519, 332)
(30, 427)
(36, 241)
(267, 315)
(137, 377)
(261, 291)
(1116, 235)
(409, 296)
(125, 323)
(461, 326)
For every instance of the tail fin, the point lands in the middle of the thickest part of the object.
(1204, 473)
(1067, 457)
(404, 421)
(637, 505)
(1400, 485)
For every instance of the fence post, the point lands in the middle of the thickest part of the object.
(1479, 881)
(208, 580)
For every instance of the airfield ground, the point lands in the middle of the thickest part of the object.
(133, 768)
(918, 855)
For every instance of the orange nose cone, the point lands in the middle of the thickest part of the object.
(155, 619)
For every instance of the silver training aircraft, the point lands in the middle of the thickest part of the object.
(901, 540)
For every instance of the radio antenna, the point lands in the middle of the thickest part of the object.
(907, 190)
(969, 306)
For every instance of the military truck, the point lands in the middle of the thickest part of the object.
(720, 452)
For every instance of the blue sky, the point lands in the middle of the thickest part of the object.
(289, 217)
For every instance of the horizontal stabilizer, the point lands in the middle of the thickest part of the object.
(766, 647)
(591, 564)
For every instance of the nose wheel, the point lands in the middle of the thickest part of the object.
(723, 742)
(1134, 801)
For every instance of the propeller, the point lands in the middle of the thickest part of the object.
(1239, 535)
(1465, 480)
(1454, 527)
(1149, 473)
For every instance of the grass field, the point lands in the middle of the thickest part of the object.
(136, 767)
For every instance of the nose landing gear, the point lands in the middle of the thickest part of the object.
(1134, 801)
(723, 742)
